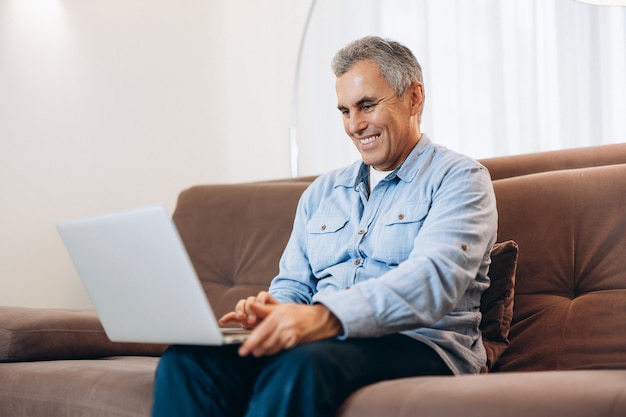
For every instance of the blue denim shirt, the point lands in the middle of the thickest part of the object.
(412, 257)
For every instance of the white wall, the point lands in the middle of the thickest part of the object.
(109, 104)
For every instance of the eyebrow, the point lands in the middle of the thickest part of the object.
(364, 100)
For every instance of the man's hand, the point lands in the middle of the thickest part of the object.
(244, 314)
(283, 326)
(280, 326)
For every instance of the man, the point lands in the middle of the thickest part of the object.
(382, 275)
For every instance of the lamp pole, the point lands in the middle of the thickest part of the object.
(294, 153)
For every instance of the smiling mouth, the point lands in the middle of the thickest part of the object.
(368, 140)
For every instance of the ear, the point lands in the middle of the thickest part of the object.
(416, 91)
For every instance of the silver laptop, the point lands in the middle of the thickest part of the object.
(141, 282)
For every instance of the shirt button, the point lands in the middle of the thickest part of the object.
(400, 216)
(324, 227)
(357, 262)
(361, 231)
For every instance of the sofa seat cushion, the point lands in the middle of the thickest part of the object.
(29, 334)
(598, 393)
(112, 387)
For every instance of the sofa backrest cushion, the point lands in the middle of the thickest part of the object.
(235, 235)
(570, 292)
(516, 165)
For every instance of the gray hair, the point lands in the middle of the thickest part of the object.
(396, 62)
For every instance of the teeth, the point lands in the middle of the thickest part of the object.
(370, 139)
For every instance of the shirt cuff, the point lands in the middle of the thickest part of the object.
(353, 311)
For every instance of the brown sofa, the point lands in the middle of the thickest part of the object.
(565, 354)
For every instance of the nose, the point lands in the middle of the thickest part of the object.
(356, 123)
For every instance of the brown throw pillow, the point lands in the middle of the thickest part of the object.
(496, 304)
(30, 334)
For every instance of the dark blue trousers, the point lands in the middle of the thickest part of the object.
(312, 379)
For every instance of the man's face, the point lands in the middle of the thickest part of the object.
(383, 127)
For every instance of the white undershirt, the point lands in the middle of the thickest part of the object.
(376, 176)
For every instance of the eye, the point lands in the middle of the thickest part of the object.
(368, 107)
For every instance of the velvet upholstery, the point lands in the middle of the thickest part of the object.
(28, 334)
(570, 300)
(538, 394)
(235, 235)
(115, 386)
(532, 163)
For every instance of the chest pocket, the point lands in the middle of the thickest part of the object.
(324, 237)
(398, 230)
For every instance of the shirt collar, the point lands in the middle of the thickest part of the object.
(358, 172)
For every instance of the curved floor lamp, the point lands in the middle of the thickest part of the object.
(293, 130)
(605, 2)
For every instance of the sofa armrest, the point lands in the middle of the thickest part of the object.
(31, 334)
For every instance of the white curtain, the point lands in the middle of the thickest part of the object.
(501, 76)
